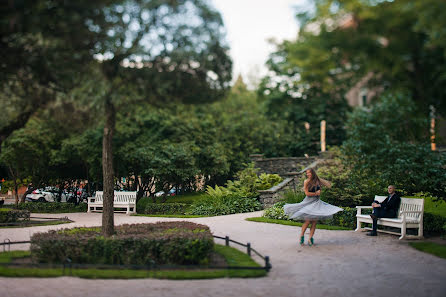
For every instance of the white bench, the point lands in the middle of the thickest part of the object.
(121, 200)
(410, 215)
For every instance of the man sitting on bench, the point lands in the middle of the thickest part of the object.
(386, 209)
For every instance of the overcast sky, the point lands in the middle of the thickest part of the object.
(249, 24)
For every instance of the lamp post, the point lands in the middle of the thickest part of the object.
(323, 124)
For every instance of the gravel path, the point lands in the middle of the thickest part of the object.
(342, 263)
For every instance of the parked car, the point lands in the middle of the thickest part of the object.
(48, 194)
(172, 192)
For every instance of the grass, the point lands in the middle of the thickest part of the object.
(187, 198)
(432, 248)
(233, 257)
(293, 223)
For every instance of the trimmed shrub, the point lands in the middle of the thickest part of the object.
(8, 215)
(141, 204)
(137, 244)
(166, 208)
(53, 207)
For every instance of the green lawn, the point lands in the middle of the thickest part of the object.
(233, 257)
(188, 198)
(293, 223)
(436, 249)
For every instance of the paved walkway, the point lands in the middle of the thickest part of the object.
(343, 263)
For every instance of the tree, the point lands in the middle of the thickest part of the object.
(384, 146)
(157, 51)
(48, 44)
(398, 42)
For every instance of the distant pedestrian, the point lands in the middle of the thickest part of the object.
(311, 209)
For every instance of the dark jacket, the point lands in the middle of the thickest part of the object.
(391, 207)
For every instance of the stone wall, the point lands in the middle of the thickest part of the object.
(291, 169)
(274, 194)
(281, 166)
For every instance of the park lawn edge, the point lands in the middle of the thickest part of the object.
(233, 257)
(432, 248)
(37, 225)
(293, 223)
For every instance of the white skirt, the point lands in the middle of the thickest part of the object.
(311, 208)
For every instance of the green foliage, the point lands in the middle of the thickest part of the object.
(275, 212)
(143, 244)
(247, 184)
(53, 207)
(223, 205)
(377, 149)
(8, 215)
(165, 208)
(346, 218)
(291, 196)
(238, 196)
(141, 204)
(233, 257)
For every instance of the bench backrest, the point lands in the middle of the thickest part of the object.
(407, 204)
(412, 204)
(117, 197)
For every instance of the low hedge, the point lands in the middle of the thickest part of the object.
(433, 223)
(138, 244)
(52, 207)
(8, 215)
(166, 208)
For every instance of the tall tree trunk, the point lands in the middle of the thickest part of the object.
(107, 169)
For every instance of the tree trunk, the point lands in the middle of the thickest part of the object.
(107, 169)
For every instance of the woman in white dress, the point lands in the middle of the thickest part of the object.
(311, 209)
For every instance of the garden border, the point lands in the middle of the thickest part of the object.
(69, 265)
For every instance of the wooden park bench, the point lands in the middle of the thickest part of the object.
(410, 215)
(122, 201)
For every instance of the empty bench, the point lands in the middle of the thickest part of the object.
(410, 215)
(121, 200)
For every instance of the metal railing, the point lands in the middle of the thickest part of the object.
(153, 265)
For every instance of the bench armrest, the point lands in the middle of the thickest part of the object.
(360, 208)
(90, 199)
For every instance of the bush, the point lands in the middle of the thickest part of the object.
(248, 183)
(166, 208)
(141, 204)
(276, 212)
(291, 196)
(388, 145)
(8, 215)
(53, 207)
(138, 244)
(223, 205)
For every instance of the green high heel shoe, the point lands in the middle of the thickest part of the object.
(311, 241)
(302, 240)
